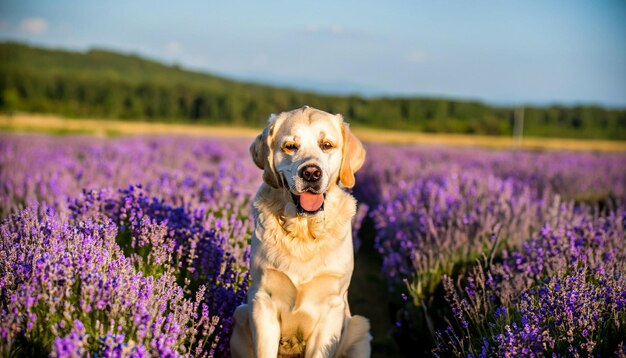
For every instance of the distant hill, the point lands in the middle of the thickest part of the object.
(105, 84)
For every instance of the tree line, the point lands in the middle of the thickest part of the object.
(104, 84)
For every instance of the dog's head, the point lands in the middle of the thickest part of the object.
(305, 152)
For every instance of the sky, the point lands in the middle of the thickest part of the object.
(499, 51)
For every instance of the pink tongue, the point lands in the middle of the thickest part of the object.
(311, 202)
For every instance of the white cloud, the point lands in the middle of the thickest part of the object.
(416, 57)
(34, 25)
(173, 48)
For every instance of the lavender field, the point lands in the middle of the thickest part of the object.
(138, 246)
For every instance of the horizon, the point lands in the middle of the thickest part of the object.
(575, 54)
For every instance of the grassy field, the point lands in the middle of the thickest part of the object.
(104, 127)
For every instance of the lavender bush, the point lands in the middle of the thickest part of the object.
(564, 292)
(125, 273)
(438, 212)
(182, 239)
(71, 287)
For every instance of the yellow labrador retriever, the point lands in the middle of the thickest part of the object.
(302, 256)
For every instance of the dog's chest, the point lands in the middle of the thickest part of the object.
(301, 305)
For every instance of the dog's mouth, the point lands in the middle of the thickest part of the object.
(309, 203)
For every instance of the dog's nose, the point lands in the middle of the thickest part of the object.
(311, 173)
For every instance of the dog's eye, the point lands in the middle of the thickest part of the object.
(326, 146)
(290, 147)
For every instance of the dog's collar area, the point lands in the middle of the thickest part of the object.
(301, 210)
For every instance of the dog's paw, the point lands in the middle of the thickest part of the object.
(291, 347)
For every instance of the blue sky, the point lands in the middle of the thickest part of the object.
(502, 52)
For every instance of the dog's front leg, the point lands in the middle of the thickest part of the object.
(241, 340)
(325, 339)
(265, 326)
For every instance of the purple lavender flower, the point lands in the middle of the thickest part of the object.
(157, 268)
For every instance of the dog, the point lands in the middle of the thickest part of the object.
(302, 258)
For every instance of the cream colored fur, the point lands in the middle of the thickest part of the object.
(301, 265)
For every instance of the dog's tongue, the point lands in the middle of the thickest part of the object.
(311, 202)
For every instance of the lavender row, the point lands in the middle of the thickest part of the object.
(438, 212)
(436, 208)
(126, 274)
(181, 170)
(170, 255)
(563, 293)
(580, 176)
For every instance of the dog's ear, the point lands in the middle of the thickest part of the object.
(259, 149)
(262, 155)
(353, 156)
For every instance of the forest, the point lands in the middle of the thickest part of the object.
(105, 84)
